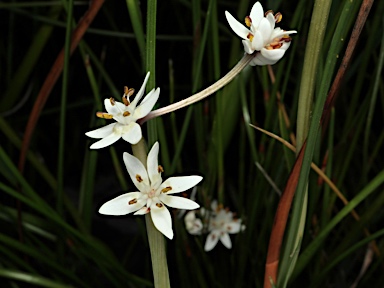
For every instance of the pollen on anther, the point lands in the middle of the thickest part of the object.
(138, 178)
(112, 101)
(126, 113)
(133, 201)
(248, 21)
(104, 115)
(278, 17)
(166, 189)
(250, 36)
(268, 12)
(159, 205)
(160, 169)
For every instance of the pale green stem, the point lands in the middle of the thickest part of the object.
(155, 238)
(311, 57)
(202, 94)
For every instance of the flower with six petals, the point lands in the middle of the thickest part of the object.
(221, 223)
(153, 193)
(126, 114)
(261, 36)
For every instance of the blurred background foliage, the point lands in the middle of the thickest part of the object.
(51, 234)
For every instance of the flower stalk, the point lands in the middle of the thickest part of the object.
(202, 94)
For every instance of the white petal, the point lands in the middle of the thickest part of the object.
(212, 240)
(257, 13)
(258, 41)
(236, 26)
(137, 172)
(233, 227)
(271, 19)
(146, 106)
(113, 109)
(120, 205)
(178, 202)
(285, 46)
(142, 211)
(141, 91)
(153, 166)
(273, 55)
(101, 132)
(278, 33)
(180, 184)
(162, 220)
(265, 30)
(110, 139)
(261, 61)
(226, 240)
(247, 46)
(133, 134)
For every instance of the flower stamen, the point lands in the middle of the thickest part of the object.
(104, 115)
(133, 201)
(248, 21)
(278, 17)
(126, 113)
(138, 178)
(166, 189)
(250, 36)
(160, 169)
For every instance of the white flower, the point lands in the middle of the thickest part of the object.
(194, 225)
(221, 224)
(126, 114)
(153, 193)
(269, 42)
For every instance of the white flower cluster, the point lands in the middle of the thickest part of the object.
(218, 222)
(261, 36)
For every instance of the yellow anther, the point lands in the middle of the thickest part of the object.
(112, 101)
(126, 113)
(248, 21)
(274, 43)
(250, 36)
(133, 201)
(278, 17)
(160, 169)
(138, 178)
(286, 38)
(159, 205)
(104, 115)
(166, 189)
(267, 12)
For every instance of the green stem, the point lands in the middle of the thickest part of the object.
(63, 106)
(312, 52)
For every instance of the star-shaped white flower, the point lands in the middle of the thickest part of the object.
(221, 224)
(269, 42)
(126, 114)
(153, 193)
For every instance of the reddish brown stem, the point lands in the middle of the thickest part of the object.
(280, 221)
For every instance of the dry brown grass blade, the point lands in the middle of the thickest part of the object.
(52, 77)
